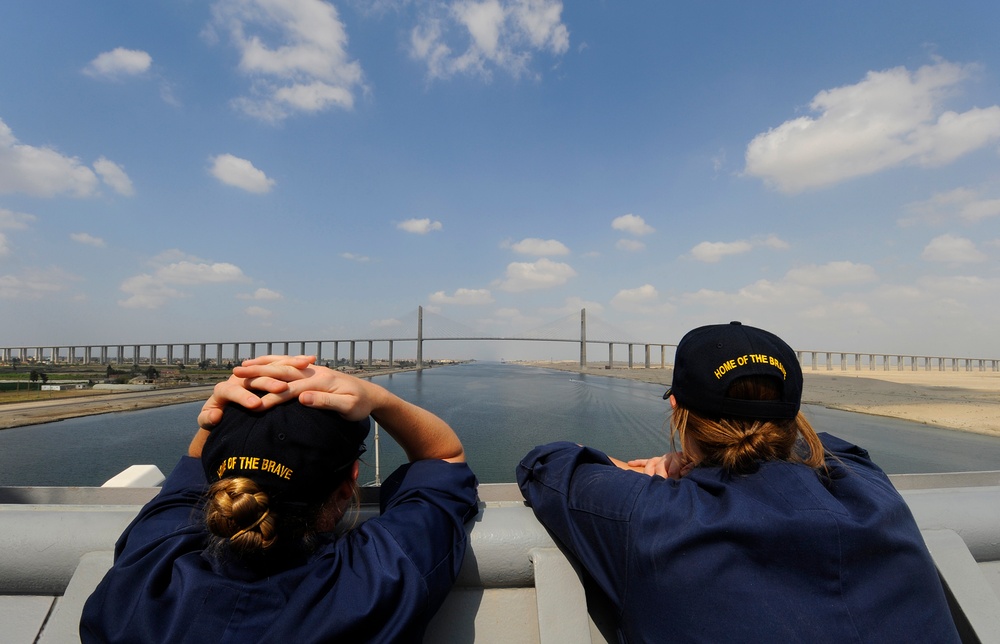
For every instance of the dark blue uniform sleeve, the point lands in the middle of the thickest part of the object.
(586, 502)
(177, 507)
(425, 506)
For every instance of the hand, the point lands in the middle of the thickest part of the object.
(270, 374)
(672, 465)
(314, 386)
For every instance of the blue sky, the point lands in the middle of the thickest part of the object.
(187, 171)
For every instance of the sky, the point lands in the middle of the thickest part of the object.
(195, 171)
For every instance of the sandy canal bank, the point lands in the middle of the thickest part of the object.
(962, 400)
(59, 408)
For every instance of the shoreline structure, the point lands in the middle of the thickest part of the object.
(963, 400)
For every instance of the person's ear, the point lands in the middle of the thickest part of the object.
(673, 402)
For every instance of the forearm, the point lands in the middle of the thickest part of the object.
(420, 433)
(197, 443)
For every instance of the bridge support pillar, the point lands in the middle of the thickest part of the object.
(420, 337)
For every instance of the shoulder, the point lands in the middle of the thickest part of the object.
(432, 495)
(562, 457)
(174, 511)
(432, 476)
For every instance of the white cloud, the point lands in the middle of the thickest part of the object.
(190, 273)
(419, 226)
(773, 242)
(965, 204)
(153, 290)
(544, 273)
(35, 284)
(891, 118)
(831, 274)
(295, 53)
(643, 294)
(385, 323)
(240, 173)
(11, 220)
(539, 247)
(15, 220)
(632, 224)
(463, 296)
(803, 292)
(41, 172)
(491, 34)
(119, 63)
(952, 249)
(261, 294)
(114, 176)
(644, 299)
(258, 312)
(630, 245)
(712, 252)
(356, 258)
(87, 239)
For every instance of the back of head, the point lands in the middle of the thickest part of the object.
(272, 471)
(738, 391)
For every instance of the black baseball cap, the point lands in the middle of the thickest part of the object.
(710, 358)
(292, 451)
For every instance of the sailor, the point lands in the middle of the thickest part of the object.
(246, 542)
(756, 530)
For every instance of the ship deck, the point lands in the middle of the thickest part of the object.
(515, 585)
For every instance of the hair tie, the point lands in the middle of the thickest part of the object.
(251, 527)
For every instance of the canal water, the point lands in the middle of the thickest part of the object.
(500, 411)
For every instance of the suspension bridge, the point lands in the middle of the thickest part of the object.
(425, 326)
